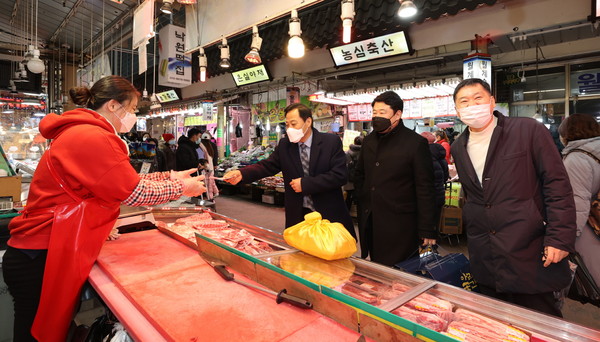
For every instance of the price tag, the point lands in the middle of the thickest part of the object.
(145, 167)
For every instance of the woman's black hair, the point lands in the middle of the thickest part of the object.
(107, 88)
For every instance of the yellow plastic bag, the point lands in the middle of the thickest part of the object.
(321, 238)
(323, 272)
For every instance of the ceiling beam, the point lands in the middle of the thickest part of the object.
(14, 12)
(66, 20)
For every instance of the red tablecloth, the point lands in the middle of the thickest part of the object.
(160, 287)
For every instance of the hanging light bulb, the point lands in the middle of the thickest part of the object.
(224, 63)
(253, 56)
(407, 9)
(167, 7)
(154, 103)
(295, 44)
(35, 64)
(203, 64)
(23, 72)
(347, 17)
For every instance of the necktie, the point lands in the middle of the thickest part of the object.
(304, 158)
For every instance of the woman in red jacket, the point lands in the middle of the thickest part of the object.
(73, 203)
(442, 139)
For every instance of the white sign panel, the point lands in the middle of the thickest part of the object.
(143, 18)
(175, 68)
(384, 46)
(478, 66)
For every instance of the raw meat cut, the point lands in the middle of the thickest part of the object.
(425, 319)
(218, 230)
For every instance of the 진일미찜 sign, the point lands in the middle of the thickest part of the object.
(389, 45)
(175, 68)
(251, 75)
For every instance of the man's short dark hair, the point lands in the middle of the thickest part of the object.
(303, 111)
(471, 82)
(390, 98)
(192, 132)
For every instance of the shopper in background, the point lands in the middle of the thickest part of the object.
(519, 213)
(168, 148)
(313, 166)
(440, 173)
(210, 150)
(442, 139)
(73, 203)
(186, 155)
(159, 157)
(145, 137)
(394, 186)
(580, 133)
(351, 161)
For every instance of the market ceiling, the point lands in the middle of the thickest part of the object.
(322, 27)
(73, 23)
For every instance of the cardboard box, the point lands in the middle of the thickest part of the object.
(270, 199)
(11, 186)
(451, 220)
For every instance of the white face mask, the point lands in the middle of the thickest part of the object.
(295, 134)
(172, 142)
(126, 122)
(476, 116)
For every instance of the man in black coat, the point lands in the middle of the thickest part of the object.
(319, 187)
(519, 211)
(186, 156)
(394, 186)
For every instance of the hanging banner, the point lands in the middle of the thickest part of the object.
(175, 68)
(389, 45)
(478, 65)
(142, 59)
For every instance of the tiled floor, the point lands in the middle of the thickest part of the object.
(271, 217)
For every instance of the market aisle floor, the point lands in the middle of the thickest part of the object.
(271, 217)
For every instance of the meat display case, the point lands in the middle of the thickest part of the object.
(365, 296)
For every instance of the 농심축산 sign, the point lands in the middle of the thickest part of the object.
(378, 47)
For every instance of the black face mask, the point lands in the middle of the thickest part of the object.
(380, 124)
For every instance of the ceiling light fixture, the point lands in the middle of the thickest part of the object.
(253, 56)
(347, 17)
(203, 64)
(224, 63)
(35, 64)
(407, 9)
(187, 2)
(295, 44)
(167, 7)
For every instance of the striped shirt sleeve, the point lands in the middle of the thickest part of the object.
(152, 192)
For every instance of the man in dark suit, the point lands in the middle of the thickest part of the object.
(313, 166)
(394, 185)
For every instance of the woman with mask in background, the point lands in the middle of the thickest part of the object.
(168, 148)
(73, 203)
(580, 133)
